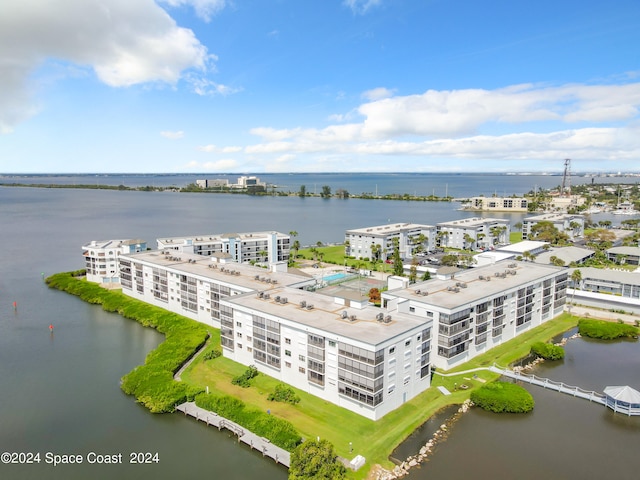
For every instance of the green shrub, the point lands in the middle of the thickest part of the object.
(280, 432)
(503, 397)
(283, 393)
(547, 351)
(606, 330)
(212, 354)
(243, 380)
(152, 383)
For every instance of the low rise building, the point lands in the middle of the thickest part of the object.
(369, 360)
(379, 242)
(101, 258)
(572, 225)
(624, 255)
(613, 282)
(263, 247)
(498, 204)
(473, 233)
(480, 308)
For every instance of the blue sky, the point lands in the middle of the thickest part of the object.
(318, 86)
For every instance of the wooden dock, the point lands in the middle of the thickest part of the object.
(260, 444)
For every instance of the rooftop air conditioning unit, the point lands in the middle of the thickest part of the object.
(310, 306)
(387, 319)
(303, 303)
(352, 318)
(380, 317)
(344, 314)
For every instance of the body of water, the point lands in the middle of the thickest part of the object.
(59, 391)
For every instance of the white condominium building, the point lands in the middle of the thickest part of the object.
(193, 285)
(365, 360)
(379, 242)
(261, 247)
(480, 308)
(101, 258)
(499, 204)
(473, 233)
(572, 225)
(369, 360)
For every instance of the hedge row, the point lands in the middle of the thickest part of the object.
(606, 330)
(279, 431)
(152, 383)
(503, 397)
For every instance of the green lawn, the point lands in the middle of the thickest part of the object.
(335, 254)
(374, 440)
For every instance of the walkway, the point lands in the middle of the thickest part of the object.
(261, 444)
(551, 385)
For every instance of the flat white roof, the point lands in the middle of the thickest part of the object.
(388, 229)
(524, 246)
(473, 222)
(442, 293)
(218, 237)
(240, 274)
(327, 316)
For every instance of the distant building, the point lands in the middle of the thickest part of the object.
(101, 258)
(473, 233)
(568, 255)
(263, 247)
(217, 183)
(613, 282)
(626, 255)
(379, 241)
(572, 225)
(498, 204)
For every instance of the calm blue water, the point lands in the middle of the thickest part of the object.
(59, 392)
(422, 184)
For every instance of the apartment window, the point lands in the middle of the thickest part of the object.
(287, 341)
(301, 370)
(407, 379)
(412, 309)
(302, 358)
(407, 343)
(287, 353)
(287, 364)
(239, 324)
(239, 334)
(332, 343)
(391, 350)
(239, 345)
(391, 388)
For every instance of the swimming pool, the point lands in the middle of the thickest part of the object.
(334, 277)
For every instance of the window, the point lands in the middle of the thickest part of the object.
(287, 341)
(332, 343)
(287, 364)
(391, 350)
(407, 379)
(239, 345)
(287, 353)
(391, 388)
(239, 334)
(301, 370)
(412, 309)
(249, 349)
(302, 358)
(238, 324)
(407, 343)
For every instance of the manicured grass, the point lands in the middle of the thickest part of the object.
(315, 417)
(335, 255)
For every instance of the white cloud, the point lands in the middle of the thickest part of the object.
(361, 6)
(215, 149)
(124, 42)
(204, 87)
(172, 135)
(520, 122)
(377, 94)
(205, 9)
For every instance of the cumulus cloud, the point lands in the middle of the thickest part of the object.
(361, 6)
(519, 122)
(172, 135)
(124, 42)
(205, 9)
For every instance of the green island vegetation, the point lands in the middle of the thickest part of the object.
(375, 440)
(604, 330)
(503, 397)
(548, 351)
(152, 383)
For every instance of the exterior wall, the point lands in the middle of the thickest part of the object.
(102, 258)
(243, 248)
(370, 380)
(500, 204)
(193, 296)
(360, 241)
(559, 220)
(473, 233)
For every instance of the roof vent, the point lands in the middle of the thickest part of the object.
(344, 314)
(387, 319)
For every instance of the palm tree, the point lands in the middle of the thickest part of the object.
(576, 278)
